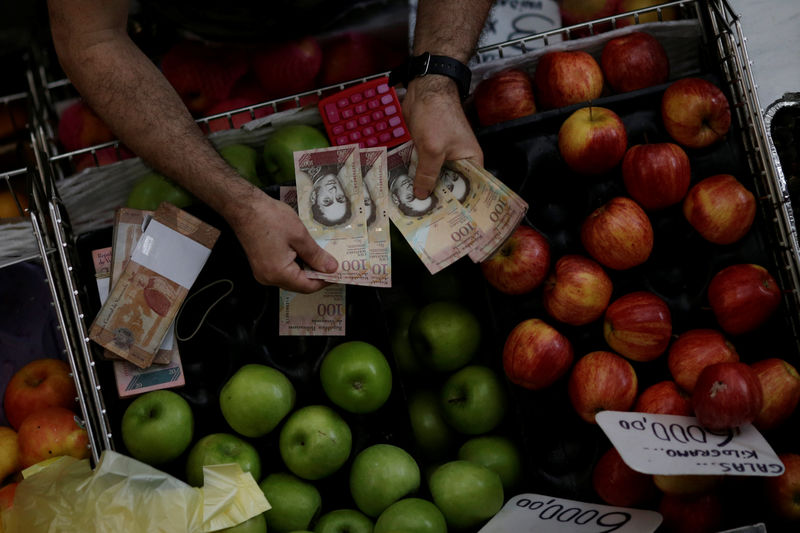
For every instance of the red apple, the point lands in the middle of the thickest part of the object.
(618, 484)
(579, 11)
(352, 55)
(666, 398)
(695, 112)
(535, 355)
(564, 78)
(592, 140)
(41, 383)
(780, 384)
(691, 514)
(289, 67)
(201, 74)
(80, 127)
(694, 350)
(520, 264)
(505, 95)
(638, 326)
(634, 61)
(743, 297)
(783, 492)
(601, 381)
(618, 234)
(653, 15)
(720, 208)
(577, 291)
(727, 395)
(50, 432)
(656, 175)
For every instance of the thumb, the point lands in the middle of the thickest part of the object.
(428, 168)
(315, 256)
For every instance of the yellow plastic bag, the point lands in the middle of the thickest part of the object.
(126, 495)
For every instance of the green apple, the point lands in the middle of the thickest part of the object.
(356, 376)
(220, 449)
(344, 521)
(295, 503)
(244, 160)
(255, 399)
(280, 146)
(399, 341)
(157, 427)
(315, 442)
(498, 454)
(256, 524)
(445, 335)
(411, 515)
(466, 493)
(151, 189)
(433, 436)
(473, 400)
(380, 475)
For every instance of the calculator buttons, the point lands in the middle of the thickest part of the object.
(368, 114)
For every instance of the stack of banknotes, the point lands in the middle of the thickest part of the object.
(346, 196)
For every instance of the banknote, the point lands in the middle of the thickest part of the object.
(132, 380)
(376, 198)
(143, 303)
(129, 224)
(318, 313)
(330, 203)
(101, 258)
(495, 208)
(439, 229)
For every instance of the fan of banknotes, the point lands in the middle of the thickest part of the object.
(346, 196)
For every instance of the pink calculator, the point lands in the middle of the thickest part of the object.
(367, 114)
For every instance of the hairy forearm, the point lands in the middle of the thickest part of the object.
(450, 27)
(127, 90)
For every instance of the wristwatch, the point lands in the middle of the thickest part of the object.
(426, 63)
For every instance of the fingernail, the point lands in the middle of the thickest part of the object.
(420, 193)
(331, 264)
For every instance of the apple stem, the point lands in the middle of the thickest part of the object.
(646, 138)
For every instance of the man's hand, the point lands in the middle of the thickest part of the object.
(440, 130)
(273, 236)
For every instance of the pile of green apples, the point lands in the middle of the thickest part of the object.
(453, 473)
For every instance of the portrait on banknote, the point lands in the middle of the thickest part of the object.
(456, 183)
(329, 201)
(401, 188)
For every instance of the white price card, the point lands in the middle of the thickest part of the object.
(536, 513)
(671, 444)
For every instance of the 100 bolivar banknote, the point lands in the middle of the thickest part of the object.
(318, 313)
(330, 203)
(495, 209)
(438, 228)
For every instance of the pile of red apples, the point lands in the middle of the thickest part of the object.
(706, 378)
(40, 404)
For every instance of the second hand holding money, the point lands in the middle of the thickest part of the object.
(273, 237)
(439, 128)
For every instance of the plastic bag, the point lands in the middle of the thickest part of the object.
(123, 494)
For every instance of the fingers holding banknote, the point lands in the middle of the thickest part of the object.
(273, 237)
(440, 129)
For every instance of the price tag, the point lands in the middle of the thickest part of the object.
(535, 513)
(671, 444)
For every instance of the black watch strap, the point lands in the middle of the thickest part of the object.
(424, 64)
